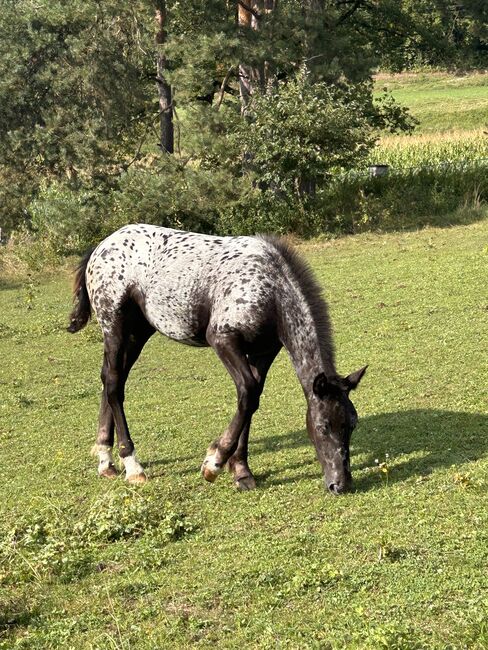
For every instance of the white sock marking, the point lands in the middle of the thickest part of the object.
(132, 466)
(105, 458)
(210, 464)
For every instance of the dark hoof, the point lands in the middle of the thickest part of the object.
(245, 483)
(109, 472)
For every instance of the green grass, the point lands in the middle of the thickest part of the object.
(441, 102)
(441, 168)
(401, 563)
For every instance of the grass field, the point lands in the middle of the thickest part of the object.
(178, 563)
(452, 114)
(441, 102)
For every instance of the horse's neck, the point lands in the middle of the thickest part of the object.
(309, 355)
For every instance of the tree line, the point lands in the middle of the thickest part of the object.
(219, 115)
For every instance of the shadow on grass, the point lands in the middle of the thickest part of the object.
(463, 216)
(15, 615)
(7, 283)
(436, 439)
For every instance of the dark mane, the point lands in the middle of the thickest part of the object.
(311, 291)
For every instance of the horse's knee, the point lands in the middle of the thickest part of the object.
(111, 385)
(249, 397)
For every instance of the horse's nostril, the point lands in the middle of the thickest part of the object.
(338, 488)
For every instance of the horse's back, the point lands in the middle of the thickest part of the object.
(184, 282)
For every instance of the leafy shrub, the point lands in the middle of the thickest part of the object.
(265, 212)
(16, 192)
(48, 544)
(208, 198)
(169, 193)
(25, 253)
(301, 133)
(403, 199)
(68, 220)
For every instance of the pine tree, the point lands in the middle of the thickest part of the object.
(164, 89)
(89, 92)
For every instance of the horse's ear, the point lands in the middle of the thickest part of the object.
(321, 385)
(354, 378)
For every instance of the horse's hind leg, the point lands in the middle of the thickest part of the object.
(238, 463)
(105, 437)
(122, 348)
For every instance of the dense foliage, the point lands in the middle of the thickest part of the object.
(269, 101)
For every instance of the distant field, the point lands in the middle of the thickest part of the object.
(432, 149)
(453, 123)
(400, 564)
(439, 101)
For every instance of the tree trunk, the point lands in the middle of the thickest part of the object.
(166, 141)
(245, 21)
(249, 13)
(307, 186)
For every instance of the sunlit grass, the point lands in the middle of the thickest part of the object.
(440, 101)
(401, 563)
(452, 114)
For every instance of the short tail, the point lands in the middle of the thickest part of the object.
(81, 313)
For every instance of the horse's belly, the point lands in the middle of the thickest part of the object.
(175, 319)
(170, 324)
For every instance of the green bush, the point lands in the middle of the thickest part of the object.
(303, 131)
(174, 195)
(68, 220)
(409, 199)
(25, 254)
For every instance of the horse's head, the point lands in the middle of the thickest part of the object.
(331, 418)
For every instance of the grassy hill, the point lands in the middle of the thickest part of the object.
(452, 114)
(446, 156)
(178, 563)
(441, 102)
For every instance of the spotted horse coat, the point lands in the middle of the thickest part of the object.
(246, 297)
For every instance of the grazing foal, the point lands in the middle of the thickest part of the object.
(246, 297)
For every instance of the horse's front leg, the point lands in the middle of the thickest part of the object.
(238, 462)
(228, 349)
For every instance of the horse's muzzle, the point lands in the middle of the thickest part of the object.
(340, 487)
